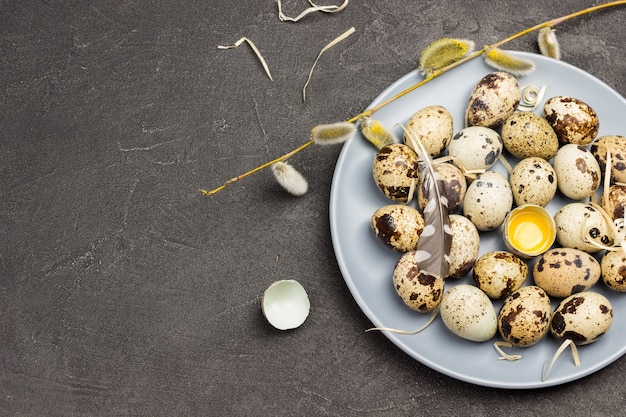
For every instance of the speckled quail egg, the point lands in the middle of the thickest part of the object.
(533, 181)
(527, 134)
(476, 147)
(573, 120)
(433, 126)
(421, 292)
(524, 318)
(396, 172)
(398, 226)
(499, 273)
(488, 200)
(468, 313)
(617, 146)
(577, 171)
(562, 272)
(493, 99)
(615, 203)
(613, 266)
(578, 223)
(582, 317)
(454, 183)
(285, 304)
(464, 247)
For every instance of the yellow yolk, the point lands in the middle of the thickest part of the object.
(530, 232)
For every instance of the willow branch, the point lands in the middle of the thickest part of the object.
(429, 78)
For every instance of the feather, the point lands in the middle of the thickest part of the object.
(433, 247)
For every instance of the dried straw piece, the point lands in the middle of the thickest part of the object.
(564, 345)
(254, 48)
(432, 318)
(312, 9)
(503, 355)
(330, 45)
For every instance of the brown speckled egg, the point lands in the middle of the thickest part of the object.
(493, 99)
(524, 318)
(582, 317)
(476, 147)
(499, 273)
(398, 226)
(421, 292)
(533, 181)
(562, 272)
(488, 200)
(577, 171)
(526, 134)
(573, 120)
(617, 146)
(615, 204)
(577, 223)
(464, 247)
(396, 172)
(613, 266)
(454, 183)
(433, 126)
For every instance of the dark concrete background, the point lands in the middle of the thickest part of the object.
(124, 292)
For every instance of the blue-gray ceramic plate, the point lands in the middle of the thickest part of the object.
(367, 265)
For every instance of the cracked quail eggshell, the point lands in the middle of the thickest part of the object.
(285, 304)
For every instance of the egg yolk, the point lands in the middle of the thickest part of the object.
(530, 232)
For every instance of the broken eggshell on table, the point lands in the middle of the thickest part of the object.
(285, 304)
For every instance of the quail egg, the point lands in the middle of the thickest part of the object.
(396, 172)
(499, 273)
(398, 226)
(433, 126)
(582, 317)
(488, 200)
(464, 247)
(573, 120)
(579, 223)
(577, 171)
(524, 318)
(526, 134)
(562, 272)
(533, 181)
(468, 313)
(613, 266)
(617, 147)
(477, 147)
(493, 99)
(615, 203)
(454, 183)
(421, 292)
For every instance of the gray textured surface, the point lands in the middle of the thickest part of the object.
(124, 292)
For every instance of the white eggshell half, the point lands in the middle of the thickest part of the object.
(285, 304)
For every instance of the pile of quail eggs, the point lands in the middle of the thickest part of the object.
(556, 153)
